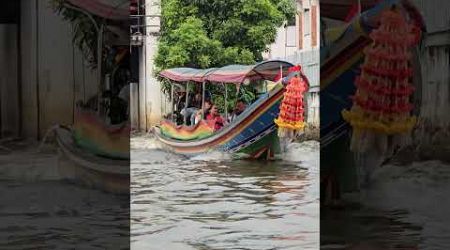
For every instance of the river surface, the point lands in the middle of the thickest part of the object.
(406, 207)
(213, 202)
(39, 210)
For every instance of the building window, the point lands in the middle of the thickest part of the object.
(307, 22)
(314, 26)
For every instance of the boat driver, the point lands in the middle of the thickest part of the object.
(240, 107)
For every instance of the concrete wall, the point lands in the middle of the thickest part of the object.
(9, 88)
(436, 85)
(54, 74)
(149, 107)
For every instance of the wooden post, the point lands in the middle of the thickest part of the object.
(186, 103)
(171, 101)
(203, 99)
(99, 66)
(225, 102)
(281, 74)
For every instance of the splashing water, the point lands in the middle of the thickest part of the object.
(211, 201)
(405, 207)
(48, 133)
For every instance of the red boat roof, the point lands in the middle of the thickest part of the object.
(267, 70)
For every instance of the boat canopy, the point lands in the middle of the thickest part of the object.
(266, 70)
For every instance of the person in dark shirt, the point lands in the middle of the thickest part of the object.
(240, 107)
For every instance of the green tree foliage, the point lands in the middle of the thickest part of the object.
(213, 33)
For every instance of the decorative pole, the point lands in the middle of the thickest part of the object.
(225, 102)
(203, 100)
(172, 103)
(186, 103)
(381, 105)
(291, 118)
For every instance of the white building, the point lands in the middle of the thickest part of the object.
(301, 36)
(147, 110)
(299, 43)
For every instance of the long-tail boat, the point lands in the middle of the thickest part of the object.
(252, 135)
(93, 151)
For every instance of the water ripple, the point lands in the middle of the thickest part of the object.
(212, 202)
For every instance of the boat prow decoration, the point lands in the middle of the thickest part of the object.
(340, 61)
(341, 57)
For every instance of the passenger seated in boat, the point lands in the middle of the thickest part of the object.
(198, 114)
(194, 105)
(215, 119)
(240, 107)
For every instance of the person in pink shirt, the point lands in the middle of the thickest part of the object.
(215, 119)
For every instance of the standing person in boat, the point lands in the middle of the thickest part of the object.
(194, 105)
(215, 119)
(240, 107)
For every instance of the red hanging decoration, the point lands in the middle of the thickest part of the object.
(291, 118)
(381, 104)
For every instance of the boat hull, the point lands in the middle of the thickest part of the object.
(252, 135)
(81, 167)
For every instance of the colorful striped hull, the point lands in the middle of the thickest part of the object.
(81, 166)
(253, 134)
(95, 136)
(200, 131)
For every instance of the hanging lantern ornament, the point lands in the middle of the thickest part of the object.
(381, 105)
(291, 118)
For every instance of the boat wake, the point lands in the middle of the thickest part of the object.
(213, 156)
(414, 189)
(306, 153)
(30, 165)
(215, 201)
